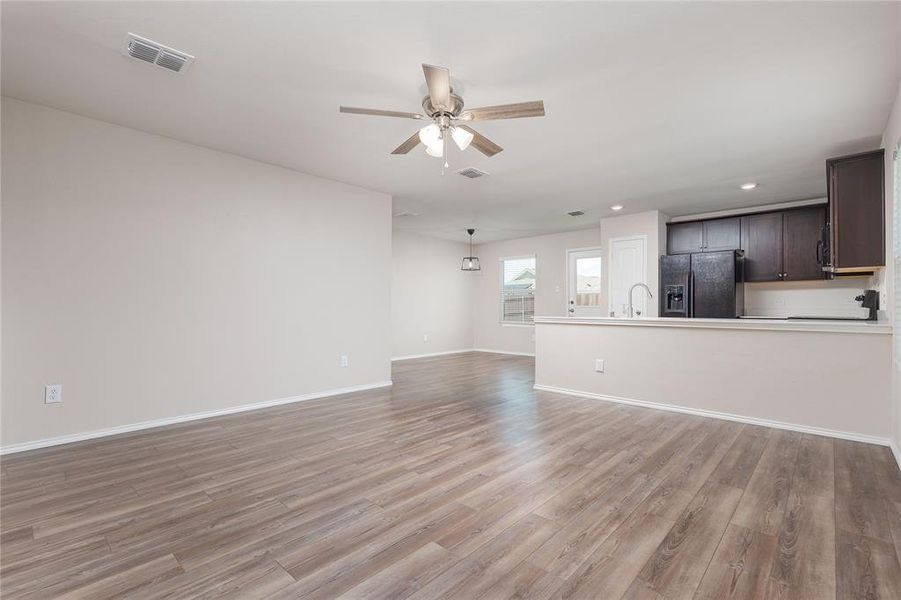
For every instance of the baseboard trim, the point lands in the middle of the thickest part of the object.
(110, 431)
(430, 354)
(844, 435)
(897, 452)
(532, 354)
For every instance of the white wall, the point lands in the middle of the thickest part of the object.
(430, 296)
(153, 278)
(891, 140)
(807, 298)
(550, 286)
(652, 225)
(838, 382)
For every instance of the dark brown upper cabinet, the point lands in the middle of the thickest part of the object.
(784, 245)
(703, 236)
(722, 234)
(856, 188)
(684, 238)
(761, 238)
(802, 243)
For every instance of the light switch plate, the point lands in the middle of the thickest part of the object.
(343, 361)
(53, 394)
(599, 365)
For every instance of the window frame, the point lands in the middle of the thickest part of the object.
(500, 296)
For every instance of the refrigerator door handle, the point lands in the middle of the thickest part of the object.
(689, 292)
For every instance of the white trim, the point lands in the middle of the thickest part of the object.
(843, 435)
(411, 356)
(867, 327)
(532, 354)
(515, 324)
(749, 210)
(896, 452)
(99, 433)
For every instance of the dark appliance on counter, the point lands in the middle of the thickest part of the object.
(702, 285)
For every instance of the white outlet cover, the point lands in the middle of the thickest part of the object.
(425, 337)
(599, 365)
(53, 394)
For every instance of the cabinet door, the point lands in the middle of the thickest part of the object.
(682, 238)
(801, 233)
(762, 242)
(722, 234)
(856, 199)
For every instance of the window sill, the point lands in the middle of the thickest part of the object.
(506, 324)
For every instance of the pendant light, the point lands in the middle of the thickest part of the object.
(471, 263)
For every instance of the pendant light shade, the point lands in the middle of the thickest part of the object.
(471, 263)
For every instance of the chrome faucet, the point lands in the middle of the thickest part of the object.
(631, 311)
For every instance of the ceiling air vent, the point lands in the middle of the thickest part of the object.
(576, 213)
(471, 172)
(157, 54)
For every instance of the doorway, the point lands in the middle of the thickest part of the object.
(628, 266)
(583, 282)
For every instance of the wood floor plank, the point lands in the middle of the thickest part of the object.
(763, 504)
(866, 568)
(804, 565)
(677, 566)
(858, 506)
(740, 566)
(459, 481)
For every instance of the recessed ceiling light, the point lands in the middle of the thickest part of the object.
(616, 207)
(748, 186)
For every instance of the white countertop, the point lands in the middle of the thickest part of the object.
(827, 326)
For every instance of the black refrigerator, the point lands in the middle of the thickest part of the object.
(704, 285)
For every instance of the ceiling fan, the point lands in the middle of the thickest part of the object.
(444, 109)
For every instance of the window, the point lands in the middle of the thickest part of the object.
(518, 290)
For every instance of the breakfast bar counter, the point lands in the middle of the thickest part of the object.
(827, 377)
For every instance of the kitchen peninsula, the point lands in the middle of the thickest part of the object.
(825, 377)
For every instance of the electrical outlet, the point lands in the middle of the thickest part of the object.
(425, 337)
(343, 360)
(53, 394)
(599, 365)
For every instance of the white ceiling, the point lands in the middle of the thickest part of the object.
(651, 105)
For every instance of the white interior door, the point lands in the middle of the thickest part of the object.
(583, 282)
(628, 266)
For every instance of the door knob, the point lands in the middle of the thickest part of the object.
(572, 310)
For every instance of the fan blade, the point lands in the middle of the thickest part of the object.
(504, 111)
(379, 113)
(408, 145)
(438, 81)
(481, 143)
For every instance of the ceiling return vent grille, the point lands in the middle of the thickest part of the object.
(156, 54)
(471, 172)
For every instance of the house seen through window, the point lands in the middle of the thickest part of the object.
(518, 290)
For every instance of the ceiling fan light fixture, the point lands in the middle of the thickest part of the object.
(430, 135)
(436, 150)
(461, 137)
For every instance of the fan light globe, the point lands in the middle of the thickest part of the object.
(461, 137)
(430, 135)
(435, 150)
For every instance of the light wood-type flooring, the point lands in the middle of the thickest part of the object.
(459, 482)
